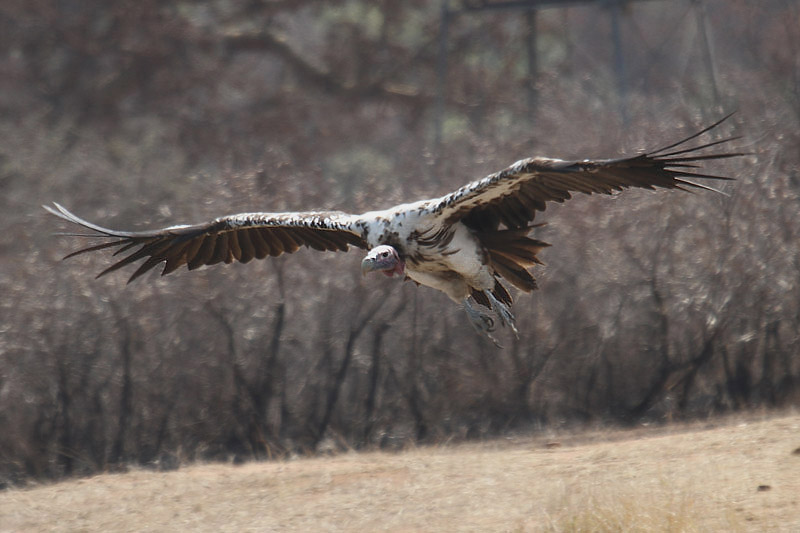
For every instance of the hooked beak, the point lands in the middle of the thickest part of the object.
(367, 265)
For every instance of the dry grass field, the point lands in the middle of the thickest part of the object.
(740, 474)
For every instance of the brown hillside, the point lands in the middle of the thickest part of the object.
(740, 475)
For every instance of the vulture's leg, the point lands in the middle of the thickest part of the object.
(503, 312)
(483, 323)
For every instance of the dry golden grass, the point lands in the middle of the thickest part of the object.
(680, 478)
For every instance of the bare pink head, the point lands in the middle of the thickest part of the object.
(385, 259)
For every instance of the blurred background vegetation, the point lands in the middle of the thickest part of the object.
(144, 114)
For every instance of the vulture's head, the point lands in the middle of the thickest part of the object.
(385, 259)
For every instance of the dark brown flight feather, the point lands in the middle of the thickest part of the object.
(226, 240)
(512, 196)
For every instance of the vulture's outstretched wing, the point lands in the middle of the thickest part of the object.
(512, 196)
(238, 237)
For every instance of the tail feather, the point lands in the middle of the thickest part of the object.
(481, 298)
(512, 253)
(514, 273)
(499, 291)
(522, 258)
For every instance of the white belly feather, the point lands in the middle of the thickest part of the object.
(455, 268)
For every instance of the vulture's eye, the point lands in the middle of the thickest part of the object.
(384, 254)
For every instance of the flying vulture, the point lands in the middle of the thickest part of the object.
(463, 243)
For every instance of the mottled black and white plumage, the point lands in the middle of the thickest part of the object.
(462, 244)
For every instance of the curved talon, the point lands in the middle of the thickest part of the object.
(482, 322)
(503, 313)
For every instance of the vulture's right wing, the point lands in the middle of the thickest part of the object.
(240, 237)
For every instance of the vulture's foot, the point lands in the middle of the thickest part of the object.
(503, 312)
(482, 322)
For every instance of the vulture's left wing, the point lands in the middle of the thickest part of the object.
(512, 196)
(240, 237)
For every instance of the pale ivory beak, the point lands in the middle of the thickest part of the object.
(367, 265)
